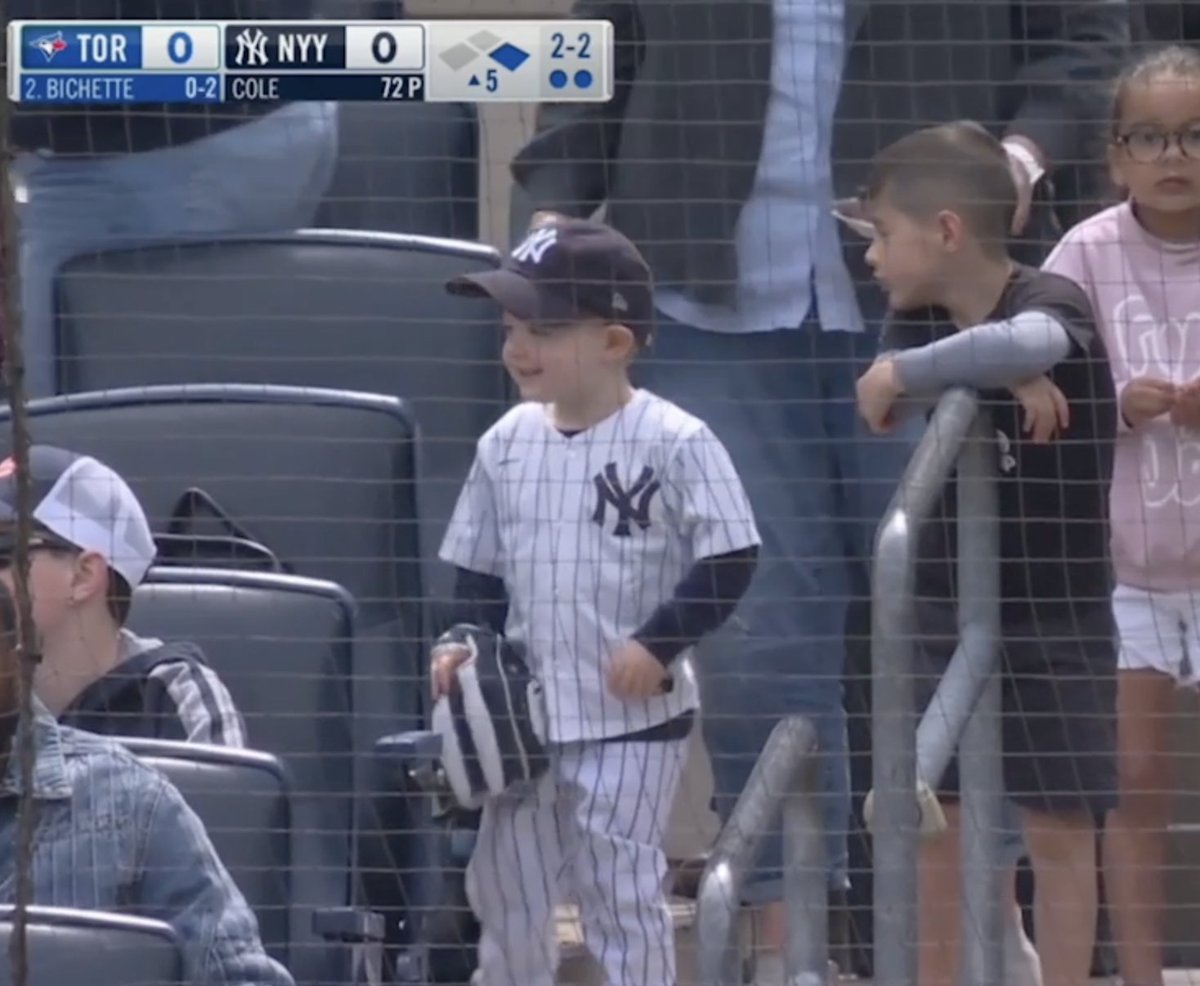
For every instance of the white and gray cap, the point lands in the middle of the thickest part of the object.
(86, 504)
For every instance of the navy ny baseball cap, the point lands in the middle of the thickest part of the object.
(567, 271)
(86, 504)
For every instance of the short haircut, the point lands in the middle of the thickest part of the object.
(955, 166)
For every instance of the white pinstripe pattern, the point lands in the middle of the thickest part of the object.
(589, 831)
(528, 514)
(585, 561)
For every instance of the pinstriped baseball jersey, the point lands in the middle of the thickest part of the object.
(590, 534)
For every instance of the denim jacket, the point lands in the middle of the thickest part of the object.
(113, 834)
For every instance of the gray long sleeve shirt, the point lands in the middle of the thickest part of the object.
(994, 354)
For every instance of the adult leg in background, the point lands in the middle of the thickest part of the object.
(615, 801)
(263, 176)
(868, 469)
(782, 652)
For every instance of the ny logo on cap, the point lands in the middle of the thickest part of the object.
(535, 245)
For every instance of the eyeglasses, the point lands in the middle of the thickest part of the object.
(8, 548)
(1149, 144)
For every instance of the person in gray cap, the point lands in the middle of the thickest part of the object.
(91, 547)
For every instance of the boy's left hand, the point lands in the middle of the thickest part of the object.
(1046, 410)
(878, 390)
(633, 673)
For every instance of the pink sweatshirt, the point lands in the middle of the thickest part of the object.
(1146, 296)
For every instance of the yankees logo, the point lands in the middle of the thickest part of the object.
(535, 245)
(632, 505)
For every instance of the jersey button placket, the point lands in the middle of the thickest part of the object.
(566, 464)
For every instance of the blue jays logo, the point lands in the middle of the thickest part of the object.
(49, 44)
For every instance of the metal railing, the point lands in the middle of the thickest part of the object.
(964, 712)
(785, 783)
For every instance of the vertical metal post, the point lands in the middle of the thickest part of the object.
(894, 764)
(806, 880)
(979, 751)
(785, 778)
(893, 717)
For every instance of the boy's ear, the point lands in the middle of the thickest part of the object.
(951, 228)
(620, 339)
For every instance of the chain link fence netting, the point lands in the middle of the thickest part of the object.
(241, 313)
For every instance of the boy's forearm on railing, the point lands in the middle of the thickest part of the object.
(994, 354)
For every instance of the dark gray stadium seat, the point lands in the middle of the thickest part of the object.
(406, 168)
(318, 309)
(92, 947)
(323, 478)
(283, 646)
(242, 798)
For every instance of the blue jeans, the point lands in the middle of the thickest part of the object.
(783, 403)
(264, 176)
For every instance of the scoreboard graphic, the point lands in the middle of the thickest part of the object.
(196, 63)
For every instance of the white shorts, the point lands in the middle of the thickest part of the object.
(1159, 631)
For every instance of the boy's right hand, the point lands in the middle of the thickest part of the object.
(444, 661)
(1046, 410)
(1146, 398)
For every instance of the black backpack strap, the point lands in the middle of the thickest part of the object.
(201, 533)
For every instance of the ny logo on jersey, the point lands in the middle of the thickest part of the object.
(632, 505)
(534, 246)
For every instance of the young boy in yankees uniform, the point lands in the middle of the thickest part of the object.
(606, 530)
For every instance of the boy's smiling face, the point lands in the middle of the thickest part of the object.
(553, 364)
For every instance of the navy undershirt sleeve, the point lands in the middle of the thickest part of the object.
(479, 599)
(703, 600)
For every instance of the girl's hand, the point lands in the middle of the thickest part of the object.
(1185, 411)
(1147, 398)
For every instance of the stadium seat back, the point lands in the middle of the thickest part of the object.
(347, 311)
(241, 796)
(324, 479)
(92, 947)
(406, 168)
(283, 646)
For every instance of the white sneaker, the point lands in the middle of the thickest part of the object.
(1022, 967)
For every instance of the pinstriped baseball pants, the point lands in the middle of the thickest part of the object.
(589, 832)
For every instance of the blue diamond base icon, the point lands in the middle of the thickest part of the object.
(509, 56)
